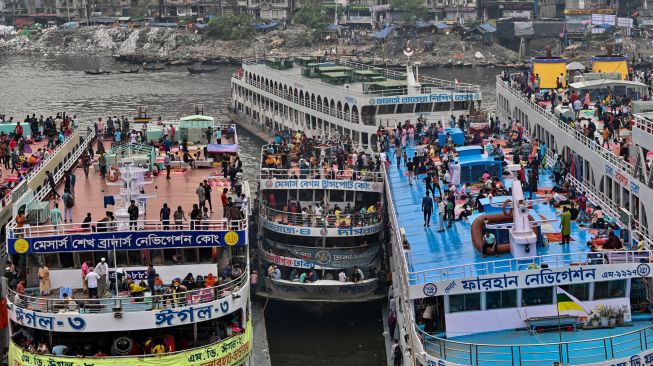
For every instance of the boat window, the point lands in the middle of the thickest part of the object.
(581, 291)
(172, 256)
(306, 195)
(190, 255)
(156, 257)
(67, 260)
(292, 195)
(336, 196)
(405, 108)
(501, 299)
(386, 109)
(86, 256)
(460, 106)
(537, 296)
(423, 107)
(440, 107)
(319, 195)
(51, 260)
(464, 302)
(136, 258)
(609, 289)
(206, 255)
(349, 196)
(121, 258)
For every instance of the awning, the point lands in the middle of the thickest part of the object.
(575, 66)
(222, 148)
(384, 33)
(486, 27)
(441, 26)
(336, 27)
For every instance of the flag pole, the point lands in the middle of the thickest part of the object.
(559, 326)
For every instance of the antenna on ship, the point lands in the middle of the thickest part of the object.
(411, 80)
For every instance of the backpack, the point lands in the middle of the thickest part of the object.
(70, 202)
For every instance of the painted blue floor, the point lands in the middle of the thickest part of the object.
(432, 250)
(587, 346)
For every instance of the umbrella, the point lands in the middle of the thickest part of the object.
(575, 66)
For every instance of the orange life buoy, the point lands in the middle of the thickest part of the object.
(116, 174)
(505, 204)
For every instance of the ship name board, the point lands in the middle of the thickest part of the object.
(429, 98)
(531, 279)
(320, 231)
(349, 185)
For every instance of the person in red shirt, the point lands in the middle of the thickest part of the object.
(225, 202)
(19, 130)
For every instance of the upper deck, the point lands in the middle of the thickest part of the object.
(360, 80)
(433, 256)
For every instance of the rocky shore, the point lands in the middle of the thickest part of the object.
(181, 46)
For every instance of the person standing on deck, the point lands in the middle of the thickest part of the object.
(201, 195)
(133, 215)
(164, 215)
(85, 271)
(44, 280)
(68, 203)
(52, 185)
(92, 279)
(102, 162)
(55, 216)
(218, 135)
(207, 194)
(410, 166)
(151, 275)
(168, 164)
(565, 225)
(102, 270)
(441, 210)
(427, 208)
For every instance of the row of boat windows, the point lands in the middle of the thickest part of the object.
(535, 296)
(422, 107)
(141, 257)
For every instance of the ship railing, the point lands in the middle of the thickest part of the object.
(79, 228)
(321, 173)
(128, 303)
(603, 257)
(644, 124)
(342, 220)
(606, 154)
(35, 169)
(565, 353)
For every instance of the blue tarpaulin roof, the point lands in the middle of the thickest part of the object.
(384, 33)
(487, 27)
(201, 25)
(441, 25)
(423, 24)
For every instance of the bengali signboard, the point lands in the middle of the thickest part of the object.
(531, 279)
(327, 258)
(232, 351)
(426, 98)
(73, 321)
(320, 231)
(125, 241)
(346, 185)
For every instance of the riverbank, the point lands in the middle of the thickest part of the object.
(178, 46)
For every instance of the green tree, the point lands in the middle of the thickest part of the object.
(232, 27)
(311, 16)
(411, 9)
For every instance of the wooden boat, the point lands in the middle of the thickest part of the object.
(202, 70)
(467, 64)
(448, 65)
(154, 67)
(458, 64)
(97, 71)
(178, 62)
(130, 71)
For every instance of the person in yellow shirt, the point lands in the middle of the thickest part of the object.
(158, 349)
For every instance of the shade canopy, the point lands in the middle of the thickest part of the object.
(574, 66)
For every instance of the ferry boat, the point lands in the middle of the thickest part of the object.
(533, 301)
(320, 217)
(325, 96)
(195, 311)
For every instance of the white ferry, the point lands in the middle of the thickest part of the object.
(325, 96)
(196, 309)
(321, 222)
(535, 302)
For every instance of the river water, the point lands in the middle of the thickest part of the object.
(46, 85)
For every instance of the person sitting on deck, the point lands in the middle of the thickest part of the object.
(489, 241)
(613, 241)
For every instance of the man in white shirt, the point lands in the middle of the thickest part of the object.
(277, 273)
(102, 270)
(342, 276)
(92, 280)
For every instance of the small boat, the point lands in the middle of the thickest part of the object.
(458, 64)
(178, 62)
(130, 71)
(202, 70)
(153, 67)
(467, 64)
(448, 65)
(97, 71)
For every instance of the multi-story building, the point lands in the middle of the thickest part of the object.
(453, 9)
(551, 9)
(70, 9)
